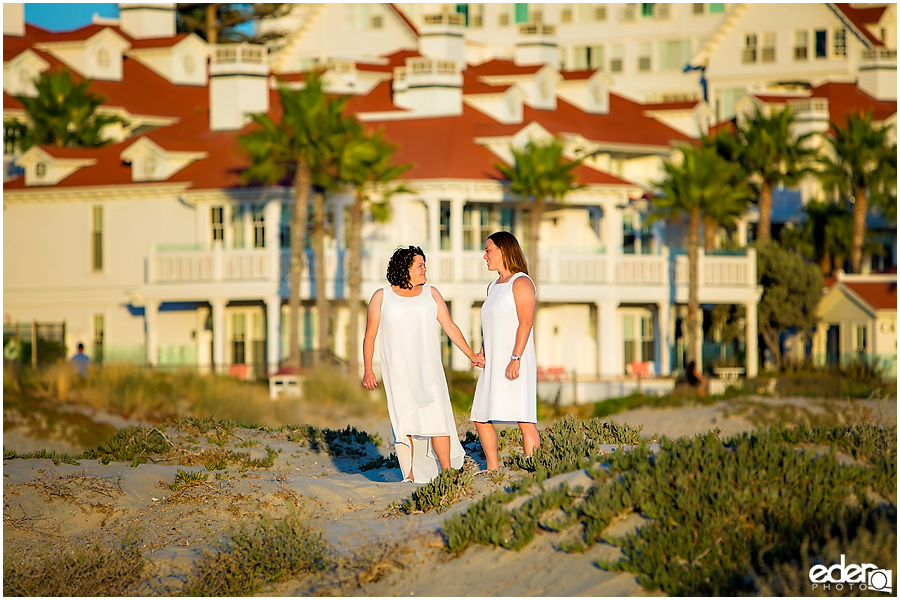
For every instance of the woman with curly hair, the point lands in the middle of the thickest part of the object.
(407, 312)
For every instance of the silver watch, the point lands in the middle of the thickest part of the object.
(514, 357)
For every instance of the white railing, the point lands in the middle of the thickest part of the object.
(166, 266)
(209, 265)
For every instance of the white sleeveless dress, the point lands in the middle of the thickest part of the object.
(413, 375)
(496, 397)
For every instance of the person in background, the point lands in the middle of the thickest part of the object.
(407, 314)
(81, 362)
(695, 378)
(507, 388)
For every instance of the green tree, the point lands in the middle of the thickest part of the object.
(692, 188)
(770, 154)
(220, 23)
(366, 166)
(540, 175)
(825, 236)
(792, 289)
(65, 114)
(296, 146)
(862, 167)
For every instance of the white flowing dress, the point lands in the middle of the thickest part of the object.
(413, 375)
(496, 397)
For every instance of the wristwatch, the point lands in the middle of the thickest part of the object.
(514, 357)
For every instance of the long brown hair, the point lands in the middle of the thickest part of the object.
(511, 251)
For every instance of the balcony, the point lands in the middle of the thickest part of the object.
(565, 274)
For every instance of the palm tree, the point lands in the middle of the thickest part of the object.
(825, 236)
(296, 146)
(770, 153)
(64, 114)
(863, 167)
(693, 188)
(365, 165)
(540, 174)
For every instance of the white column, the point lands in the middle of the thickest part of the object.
(752, 339)
(218, 332)
(663, 336)
(610, 333)
(456, 236)
(151, 312)
(434, 237)
(461, 311)
(273, 333)
(272, 215)
(204, 339)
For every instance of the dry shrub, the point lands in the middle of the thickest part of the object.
(96, 571)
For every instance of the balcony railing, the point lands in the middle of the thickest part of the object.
(189, 265)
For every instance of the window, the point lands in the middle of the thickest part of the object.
(363, 16)
(521, 9)
(565, 13)
(647, 337)
(647, 9)
(237, 226)
(749, 55)
(636, 238)
(217, 224)
(284, 228)
(377, 21)
(503, 19)
(637, 334)
(860, 340)
(821, 43)
(99, 334)
(588, 57)
(40, 170)
(644, 53)
(238, 339)
(840, 43)
(189, 63)
(699, 8)
(768, 47)
(600, 13)
(476, 15)
(663, 11)
(445, 225)
(103, 58)
(673, 55)
(628, 12)
(616, 58)
(800, 45)
(537, 16)
(97, 238)
(716, 7)
(259, 226)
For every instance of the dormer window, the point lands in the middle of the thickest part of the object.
(40, 170)
(103, 58)
(189, 64)
(150, 165)
(544, 89)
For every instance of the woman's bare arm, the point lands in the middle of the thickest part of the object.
(373, 320)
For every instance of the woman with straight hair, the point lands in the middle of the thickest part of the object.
(507, 388)
(407, 313)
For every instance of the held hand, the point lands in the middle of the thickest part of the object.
(369, 380)
(478, 360)
(512, 370)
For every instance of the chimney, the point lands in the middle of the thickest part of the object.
(442, 36)
(537, 45)
(238, 84)
(877, 73)
(14, 19)
(429, 86)
(145, 21)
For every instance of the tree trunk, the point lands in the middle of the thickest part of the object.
(764, 228)
(212, 33)
(298, 250)
(533, 234)
(709, 235)
(356, 217)
(770, 338)
(318, 243)
(860, 208)
(693, 324)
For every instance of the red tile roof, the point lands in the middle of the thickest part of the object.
(845, 99)
(158, 42)
(499, 66)
(880, 295)
(686, 105)
(578, 75)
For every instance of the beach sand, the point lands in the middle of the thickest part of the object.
(50, 507)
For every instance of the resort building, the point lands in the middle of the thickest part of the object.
(153, 250)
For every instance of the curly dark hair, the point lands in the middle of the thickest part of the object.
(398, 266)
